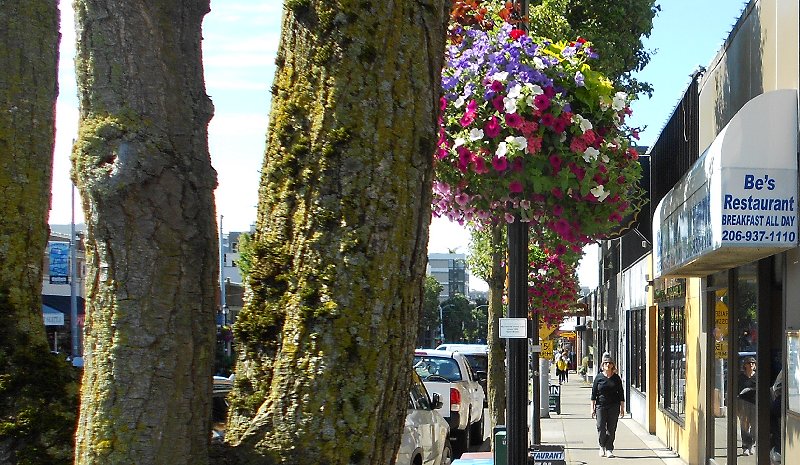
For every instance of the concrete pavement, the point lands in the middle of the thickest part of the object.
(576, 430)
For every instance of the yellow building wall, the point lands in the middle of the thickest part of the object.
(685, 438)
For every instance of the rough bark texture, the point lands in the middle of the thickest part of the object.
(37, 391)
(327, 338)
(146, 181)
(496, 381)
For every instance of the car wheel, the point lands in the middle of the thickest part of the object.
(461, 443)
(476, 432)
(447, 453)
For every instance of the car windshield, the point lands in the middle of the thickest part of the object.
(432, 367)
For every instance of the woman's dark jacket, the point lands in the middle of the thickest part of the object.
(607, 391)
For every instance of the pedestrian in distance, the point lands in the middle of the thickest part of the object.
(561, 368)
(746, 404)
(608, 404)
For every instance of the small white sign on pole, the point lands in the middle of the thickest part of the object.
(514, 328)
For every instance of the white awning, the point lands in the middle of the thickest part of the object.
(738, 203)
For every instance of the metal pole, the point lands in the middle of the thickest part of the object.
(441, 325)
(221, 272)
(517, 385)
(73, 289)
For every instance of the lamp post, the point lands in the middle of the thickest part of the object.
(479, 321)
(441, 320)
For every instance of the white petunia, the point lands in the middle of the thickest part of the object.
(501, 76)
(459, 101)
(476, 134)
(620, 98)
(502, 149)
(510, 105)
(605, 158)
(459, 142)
(514, 91)
(590, 154)
(534, 89)
(518, 142)
(538, 63)
(599, 192)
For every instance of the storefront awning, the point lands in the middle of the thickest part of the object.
(52, 317)
(738, 203)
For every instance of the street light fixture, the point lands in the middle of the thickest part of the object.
(441, 320)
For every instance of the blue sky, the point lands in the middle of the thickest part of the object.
(239, 47)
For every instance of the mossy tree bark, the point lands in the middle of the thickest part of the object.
(37, 391)
(326, 342)
(143, 168)
(496, 381)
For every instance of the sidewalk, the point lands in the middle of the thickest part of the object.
(576, 430)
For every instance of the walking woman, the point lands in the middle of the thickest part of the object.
(608, 404)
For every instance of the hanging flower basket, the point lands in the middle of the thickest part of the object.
(529, 131)
(552, 285)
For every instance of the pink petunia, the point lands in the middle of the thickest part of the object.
(559, 125)
(579, 172)
(556, 192)
(558, 210)
(555, 163)
(469, 114)
(462, 199)
(534, 144)
(550, 91)
(509, 217)
(498, 104)
(442, 104)
(496, 86)
(517, 165)
(479, 165)
(541, 102)
(615, 217)
(492, 127)
(515, 187)
(513, 120)
(578, 145)
(500, 164)
(548, 119)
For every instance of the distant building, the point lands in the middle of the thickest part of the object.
(57, 289)
(450, 270)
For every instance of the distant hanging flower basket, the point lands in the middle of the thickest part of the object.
(552, 285)
(528, 130)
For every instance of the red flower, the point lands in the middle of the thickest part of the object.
(516, 33)
(500, 163)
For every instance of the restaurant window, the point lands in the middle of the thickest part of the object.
(672, 359)
(638, 349)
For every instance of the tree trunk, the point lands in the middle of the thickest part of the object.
(36, 407)
(497, 354)
(341, 236)
(146, 181)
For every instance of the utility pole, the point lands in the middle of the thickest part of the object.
(73, 285)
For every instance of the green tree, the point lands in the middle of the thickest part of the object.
(141, 162)
(429, 320)
(615, 28)
(487, 261)
(37, 390)
(326, 340)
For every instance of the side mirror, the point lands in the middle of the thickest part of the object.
(481, 375)
(436, 402)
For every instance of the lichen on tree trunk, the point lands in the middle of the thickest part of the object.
(37, 390)
(326, 340)
(143, 168)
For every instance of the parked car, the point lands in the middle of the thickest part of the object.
(478, 357)
(449, 375)
(219, 407)
(425, 435)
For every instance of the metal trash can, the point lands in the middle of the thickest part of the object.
(500, 451)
